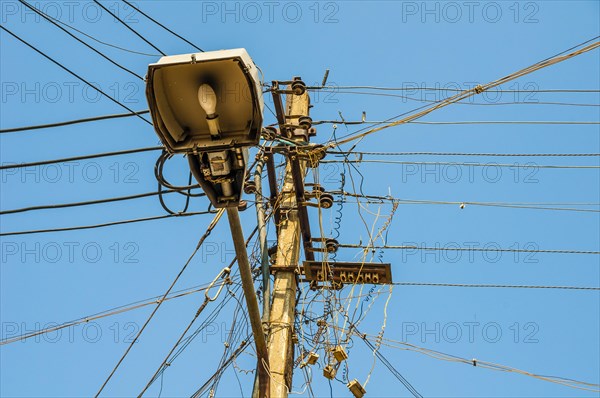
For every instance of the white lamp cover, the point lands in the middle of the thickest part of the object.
(179, 119)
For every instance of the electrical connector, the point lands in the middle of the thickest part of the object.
(356, 389)
(339, 353)
(329, 372)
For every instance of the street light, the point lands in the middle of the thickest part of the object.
(209, 107)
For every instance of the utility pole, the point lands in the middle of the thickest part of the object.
(281, 346)
(251, 301)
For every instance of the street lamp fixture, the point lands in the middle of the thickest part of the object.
(209, 107)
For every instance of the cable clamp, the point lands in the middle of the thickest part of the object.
(223, 274)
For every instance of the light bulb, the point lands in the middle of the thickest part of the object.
(207, 99)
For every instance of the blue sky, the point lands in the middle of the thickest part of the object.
(56, 277)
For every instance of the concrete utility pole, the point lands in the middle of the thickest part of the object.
(281, 347)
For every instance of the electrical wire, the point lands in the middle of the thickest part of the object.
(391, 368)
(210, 318)
(107, 313)
(463, 122)
(52, 21)
(491, 103)
(82, 157)
(158, 173)
(548, 122)
(109, 224)
(463, 95)
(85, 203)
(516, 166)
(476, 249)
(6, 166)
(462, 154)
(314, 88)
(73, 73)
(493, 286)
(208, 231)
(70, 122)
(165, 362)
(487, 365)
(463, 204)
(100, 41)
(129, 27)
(162, 26)
(243, 345)
(472, 362)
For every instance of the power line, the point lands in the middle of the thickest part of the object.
(82, 157)
(52, 21)
(482, 364)
(461, 154)
(523, 166)
(390, 367)
(129, 27)
(571, 48)
(208, 231)
(518, 205)
(210, 318)
(243, 345)
(100, 41)
(164, 363)
(103, 314)
(162, 26)
(85, 203)
(462, 122)
(473, 362)
(547, 122)
(224, 274)
(109, 224)
(312, 88)
(493, 286)
(173, 355)
(476, 249)
(491, 103)
(69, 122)
(72, 73)
(462, 95)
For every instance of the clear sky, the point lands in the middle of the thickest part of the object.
(56, 277)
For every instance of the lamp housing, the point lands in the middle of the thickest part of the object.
(174, 94)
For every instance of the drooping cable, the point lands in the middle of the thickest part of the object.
(52, 21)
(70, 122)
(72, 73)
(129, 27)
(209, 229)
(162, 26)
